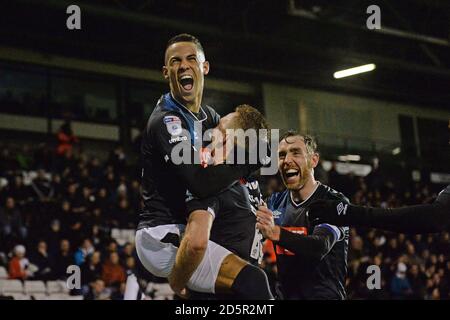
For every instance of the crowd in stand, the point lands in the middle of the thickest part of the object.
(63, 215)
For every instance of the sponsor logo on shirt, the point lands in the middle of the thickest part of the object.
(177, 139)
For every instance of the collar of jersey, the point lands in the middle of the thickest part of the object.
(304, 201)
(168, 103)
(180, 105)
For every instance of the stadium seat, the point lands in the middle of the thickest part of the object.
(74, 298)
(123, 236)
(35, 286)
(115, 233)
(19, 296)
(58, 296)
(40, 296)
(11, 286)
(129, 235)
(3, 273)
(55, 287)
(63, 285)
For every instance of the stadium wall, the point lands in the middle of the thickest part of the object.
(339, 118)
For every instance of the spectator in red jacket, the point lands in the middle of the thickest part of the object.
(113, 272)
(66, 139)
(18, 265)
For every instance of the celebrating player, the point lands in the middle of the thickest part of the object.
(312, 261)
(167, 184)
(233, 212)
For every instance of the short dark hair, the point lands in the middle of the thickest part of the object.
(310, 141)
(185, 37)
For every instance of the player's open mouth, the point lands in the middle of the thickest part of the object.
(290, 174)
(187, 82)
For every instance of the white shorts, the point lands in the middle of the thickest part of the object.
(159, 257)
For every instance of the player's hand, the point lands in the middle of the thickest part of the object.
(182, 292)
(266, 224)
(330, 211)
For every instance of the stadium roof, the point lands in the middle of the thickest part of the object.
(294, 42)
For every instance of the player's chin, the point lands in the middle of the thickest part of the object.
(291, 185)
(188, 96)
(291, 182)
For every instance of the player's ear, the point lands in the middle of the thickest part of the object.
(205, 68)
(315, 159)
(165, 72)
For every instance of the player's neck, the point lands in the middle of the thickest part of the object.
(193, 106)
(305, 192)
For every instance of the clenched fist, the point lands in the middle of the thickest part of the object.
(266, 224)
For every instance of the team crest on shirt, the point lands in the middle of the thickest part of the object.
(173, 125)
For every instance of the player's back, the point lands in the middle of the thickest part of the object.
(235, 227)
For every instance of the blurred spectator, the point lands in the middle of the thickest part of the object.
(11, 220)
(111, 247)
(66, 139)
(124, 217)
(42, 261)
(63, 259)
(42, 187)
(54, 236)
(113, 272)
(98, 291)
(418, 282)
(320, 173)
(83, 251)
(135, 195)
(91, 270)
(130, 265)
(334, 178)
(19, 265)
(117, 159)
(400, 286)
(127, 251)
(18, 191)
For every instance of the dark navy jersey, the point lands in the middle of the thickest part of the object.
(299, 278)
(163, 189)
(172, 157)
(234, 225)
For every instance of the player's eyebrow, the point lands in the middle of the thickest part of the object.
(296, 150)
(174, 58)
